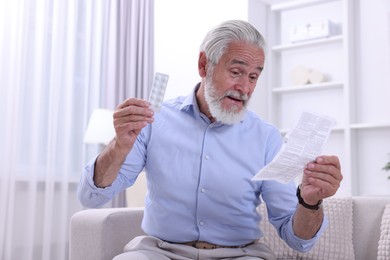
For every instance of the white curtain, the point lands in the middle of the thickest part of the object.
(129, 41)
(53, 73)
(129, 57)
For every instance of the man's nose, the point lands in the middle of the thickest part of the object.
(243, 85)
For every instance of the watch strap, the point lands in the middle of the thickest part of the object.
(304, 204)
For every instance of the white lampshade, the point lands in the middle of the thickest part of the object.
(100, 128)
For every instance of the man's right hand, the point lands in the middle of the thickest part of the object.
(129, 118)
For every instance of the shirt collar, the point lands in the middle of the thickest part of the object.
(190, 102)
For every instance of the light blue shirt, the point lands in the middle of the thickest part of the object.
(199, 178)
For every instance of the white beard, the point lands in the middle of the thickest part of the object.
(231, 116)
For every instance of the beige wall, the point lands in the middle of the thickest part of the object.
(135, 195)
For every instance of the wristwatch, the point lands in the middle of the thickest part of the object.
(304, 204)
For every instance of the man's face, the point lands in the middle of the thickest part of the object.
(231, 82)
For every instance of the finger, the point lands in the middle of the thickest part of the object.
(133, 110)
(132, 119)
(129, 127)
(326, 182)
(318, 177)
(324, 171)
(325, 159)
(133, 102)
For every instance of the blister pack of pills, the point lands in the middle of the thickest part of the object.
(157, 93)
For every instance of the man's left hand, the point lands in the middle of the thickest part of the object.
(321, 179)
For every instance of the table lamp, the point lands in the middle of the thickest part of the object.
(100, 129)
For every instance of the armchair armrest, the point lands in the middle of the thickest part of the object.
(384, 240)
(101, 234)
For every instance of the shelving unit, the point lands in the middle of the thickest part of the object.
(331, 55)
(355, 92)
(336, 96)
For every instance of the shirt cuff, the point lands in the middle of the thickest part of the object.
(304, 245)
(89, 172)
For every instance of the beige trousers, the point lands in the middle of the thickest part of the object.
(151, 248)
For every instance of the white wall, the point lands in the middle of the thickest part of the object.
(372, 95)
(180, 26)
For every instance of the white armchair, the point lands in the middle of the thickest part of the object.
(358, 229)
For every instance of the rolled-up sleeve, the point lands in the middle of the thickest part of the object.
(300, 244)
(88, 194)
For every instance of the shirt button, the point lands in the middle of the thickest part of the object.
(203, 190)
(201, 223)
(207, 157)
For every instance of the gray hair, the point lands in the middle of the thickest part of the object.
(218, 38)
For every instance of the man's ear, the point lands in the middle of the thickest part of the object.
(202, 62)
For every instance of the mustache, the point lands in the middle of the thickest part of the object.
(236, 95)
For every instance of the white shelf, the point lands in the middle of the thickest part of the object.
(311, 87)
(288, 5)
(370, 125)
(334, 130)
(306, 44)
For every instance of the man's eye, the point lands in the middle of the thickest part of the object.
(253, 78)
(235, 73)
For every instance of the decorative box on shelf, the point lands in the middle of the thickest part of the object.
(312, 31)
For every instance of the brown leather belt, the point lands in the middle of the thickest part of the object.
(206, 245)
